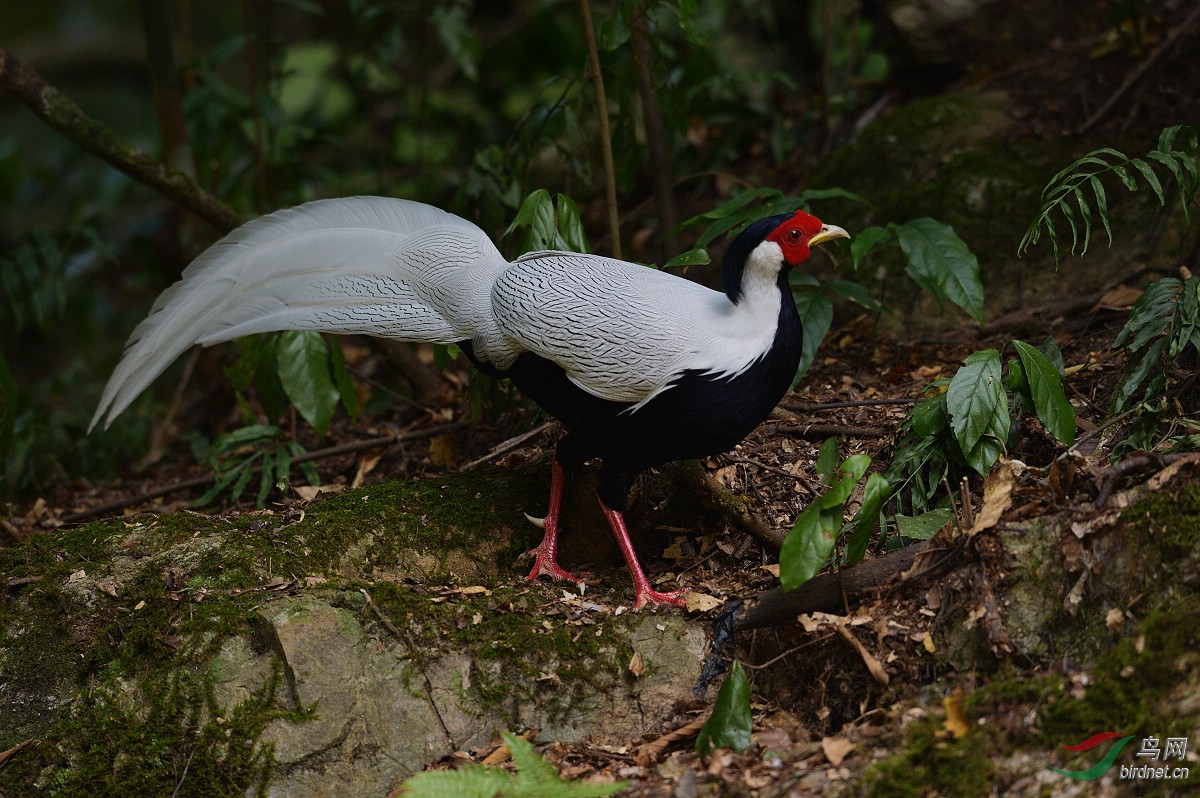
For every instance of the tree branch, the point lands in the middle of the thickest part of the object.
(62, 114)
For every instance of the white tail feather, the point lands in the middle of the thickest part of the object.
(370, 265)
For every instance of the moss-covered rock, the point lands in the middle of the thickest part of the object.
(328, 651)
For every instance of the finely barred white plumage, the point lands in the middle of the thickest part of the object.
(400, 269)
(623, 332)
(642, 367)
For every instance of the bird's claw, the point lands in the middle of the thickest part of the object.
(672, 599)
(545, 567)
(540, 523)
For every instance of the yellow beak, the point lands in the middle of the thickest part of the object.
(828, 232)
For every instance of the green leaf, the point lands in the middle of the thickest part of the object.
(1049, 399)
(923, 526)
(1018, 383)
(729, 724)
(1148, 363)
(244, 436)
(536, 778)
(929, 416)
(469, 781)
(807, 547)
(271, 396)
(856, 293)
(940, 262)
(267, 480)
(984, 454)
(816, 314)
(877, 491)
(571, 235)
(306, 375)
(827, 461)
(976, 400)
(243, 470)
(693, 257)
(1148, 173)
(863, 242)
(1151, 314)
(341, 378)
(1101, 205)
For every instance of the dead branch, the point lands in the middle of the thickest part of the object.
(507, 446)
(734, 507)
(646, 755)
(820, 431)
(62, 114)
(830, 592)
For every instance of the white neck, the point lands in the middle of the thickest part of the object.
(745, 331)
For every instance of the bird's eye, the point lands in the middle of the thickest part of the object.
(793, 234)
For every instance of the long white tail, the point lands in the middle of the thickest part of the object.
(370, 265)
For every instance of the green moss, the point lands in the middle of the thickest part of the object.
(1134, 688)
(931, 758)
(166, 741)
(1130, 686)
(119, 690)
(1167, 522)
(518, 657)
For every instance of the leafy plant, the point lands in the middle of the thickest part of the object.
(299, 367)
(938, 260)
(235, 455)
(535, 778)
(549, 224)
(965, 421)
(34, 276)
(810, 542)
(729, 724)
(1067, 192)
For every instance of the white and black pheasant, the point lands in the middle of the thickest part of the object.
(640, 366)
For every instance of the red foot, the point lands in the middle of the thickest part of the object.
(672, 599)
(545, 554)
(641, 585)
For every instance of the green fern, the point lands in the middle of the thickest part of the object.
(535, 778)
(1068, 191)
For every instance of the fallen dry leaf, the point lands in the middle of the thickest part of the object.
(366, 464)
(636, 666)
(956, 722)
(997, 494)
(836, 749)
(1120, 298)
(700, 602)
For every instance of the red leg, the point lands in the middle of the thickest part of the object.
(641, 584)
(546, 553)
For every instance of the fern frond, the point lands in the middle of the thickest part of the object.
(1176, 152)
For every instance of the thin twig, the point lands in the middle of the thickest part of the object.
(610, 172)
(183, 775)
(508, 445)
(391, 627)
(800, 408)
(648, 753)
(811, 431)
(1136, 75)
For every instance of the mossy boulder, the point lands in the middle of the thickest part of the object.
(326, 651)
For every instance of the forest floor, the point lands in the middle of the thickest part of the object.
(859, 390)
